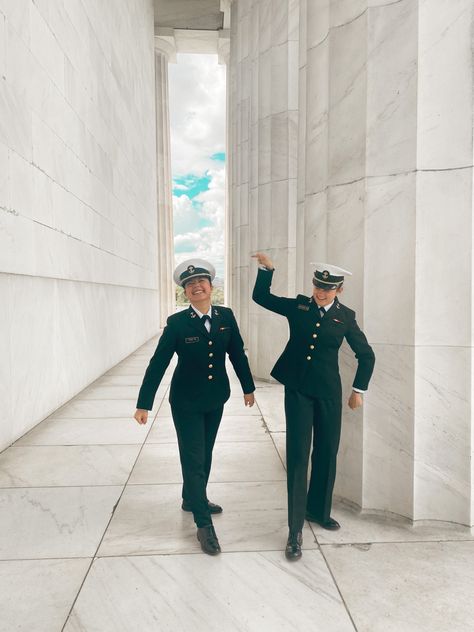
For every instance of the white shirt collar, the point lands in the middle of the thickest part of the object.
(200, 314)
(325, 307)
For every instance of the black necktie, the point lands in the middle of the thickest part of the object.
(322, 311)
(204, 319)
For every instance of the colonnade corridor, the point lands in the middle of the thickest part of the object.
(93, 538)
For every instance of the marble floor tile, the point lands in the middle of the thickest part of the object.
(255, 516)
(37, 595)
(126, 370)
(54, 466)
(117, 392)
(243, 591)
(235, 406)
(149, 520)
(157, 463)
(242, 428)
(279, 439)
(270, 400)
(86, 432)
(54, 522)
(162, 431)
(232, 428)
(364, 528)
(233, 461)
(119, 380)
(136, 359)
(246, 461)
(408, 587)
(99, 409)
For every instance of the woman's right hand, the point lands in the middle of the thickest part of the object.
(263, 260)
(141, 416)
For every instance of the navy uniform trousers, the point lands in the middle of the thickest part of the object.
(199, 389)
(196, 432)
(311, 423)
(309, 370)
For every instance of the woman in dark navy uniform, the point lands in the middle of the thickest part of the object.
(201, 336)
(309, 369)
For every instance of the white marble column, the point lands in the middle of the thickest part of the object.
(223, 51)
(385, 189)
(163, 50)
(263, 114)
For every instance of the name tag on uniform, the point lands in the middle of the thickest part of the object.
(305, 308)
(192, 339)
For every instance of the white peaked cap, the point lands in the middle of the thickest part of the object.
(333, 270)
(194, 268)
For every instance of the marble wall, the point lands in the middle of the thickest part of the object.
(379, 95)
(78, 219)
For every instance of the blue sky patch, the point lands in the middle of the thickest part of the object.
(219, 156)
(190, 185)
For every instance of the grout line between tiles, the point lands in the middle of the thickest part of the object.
(337, 587)
(106, 529)
(435, 540)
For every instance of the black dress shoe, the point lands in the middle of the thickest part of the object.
(330, 523)
(208, 539)
(213, 508)
(293, 546)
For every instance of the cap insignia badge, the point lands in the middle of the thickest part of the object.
(325, 274)
(191, 269)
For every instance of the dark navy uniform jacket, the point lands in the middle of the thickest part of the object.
(200, 381)
(309, 362)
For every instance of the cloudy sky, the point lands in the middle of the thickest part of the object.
(197, 117)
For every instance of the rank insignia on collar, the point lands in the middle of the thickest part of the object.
(216, 313)
(193, 314)
(338, 306)
(305, 308)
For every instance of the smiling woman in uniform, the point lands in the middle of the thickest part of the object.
(309, 369)
(201, 336)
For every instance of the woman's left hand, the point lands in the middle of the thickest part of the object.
(355, 400)
(249, 399)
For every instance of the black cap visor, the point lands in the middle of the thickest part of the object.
(325, 285)
(197, 275)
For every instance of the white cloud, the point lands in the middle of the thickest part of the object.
(185, 216)
(197, 112)
(197, 116)
(206, 242)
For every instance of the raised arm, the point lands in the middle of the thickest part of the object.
(261, 292)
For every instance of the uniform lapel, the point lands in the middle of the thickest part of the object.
(315, 308)
(215, 321)
(196, 322)
(332, 312)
